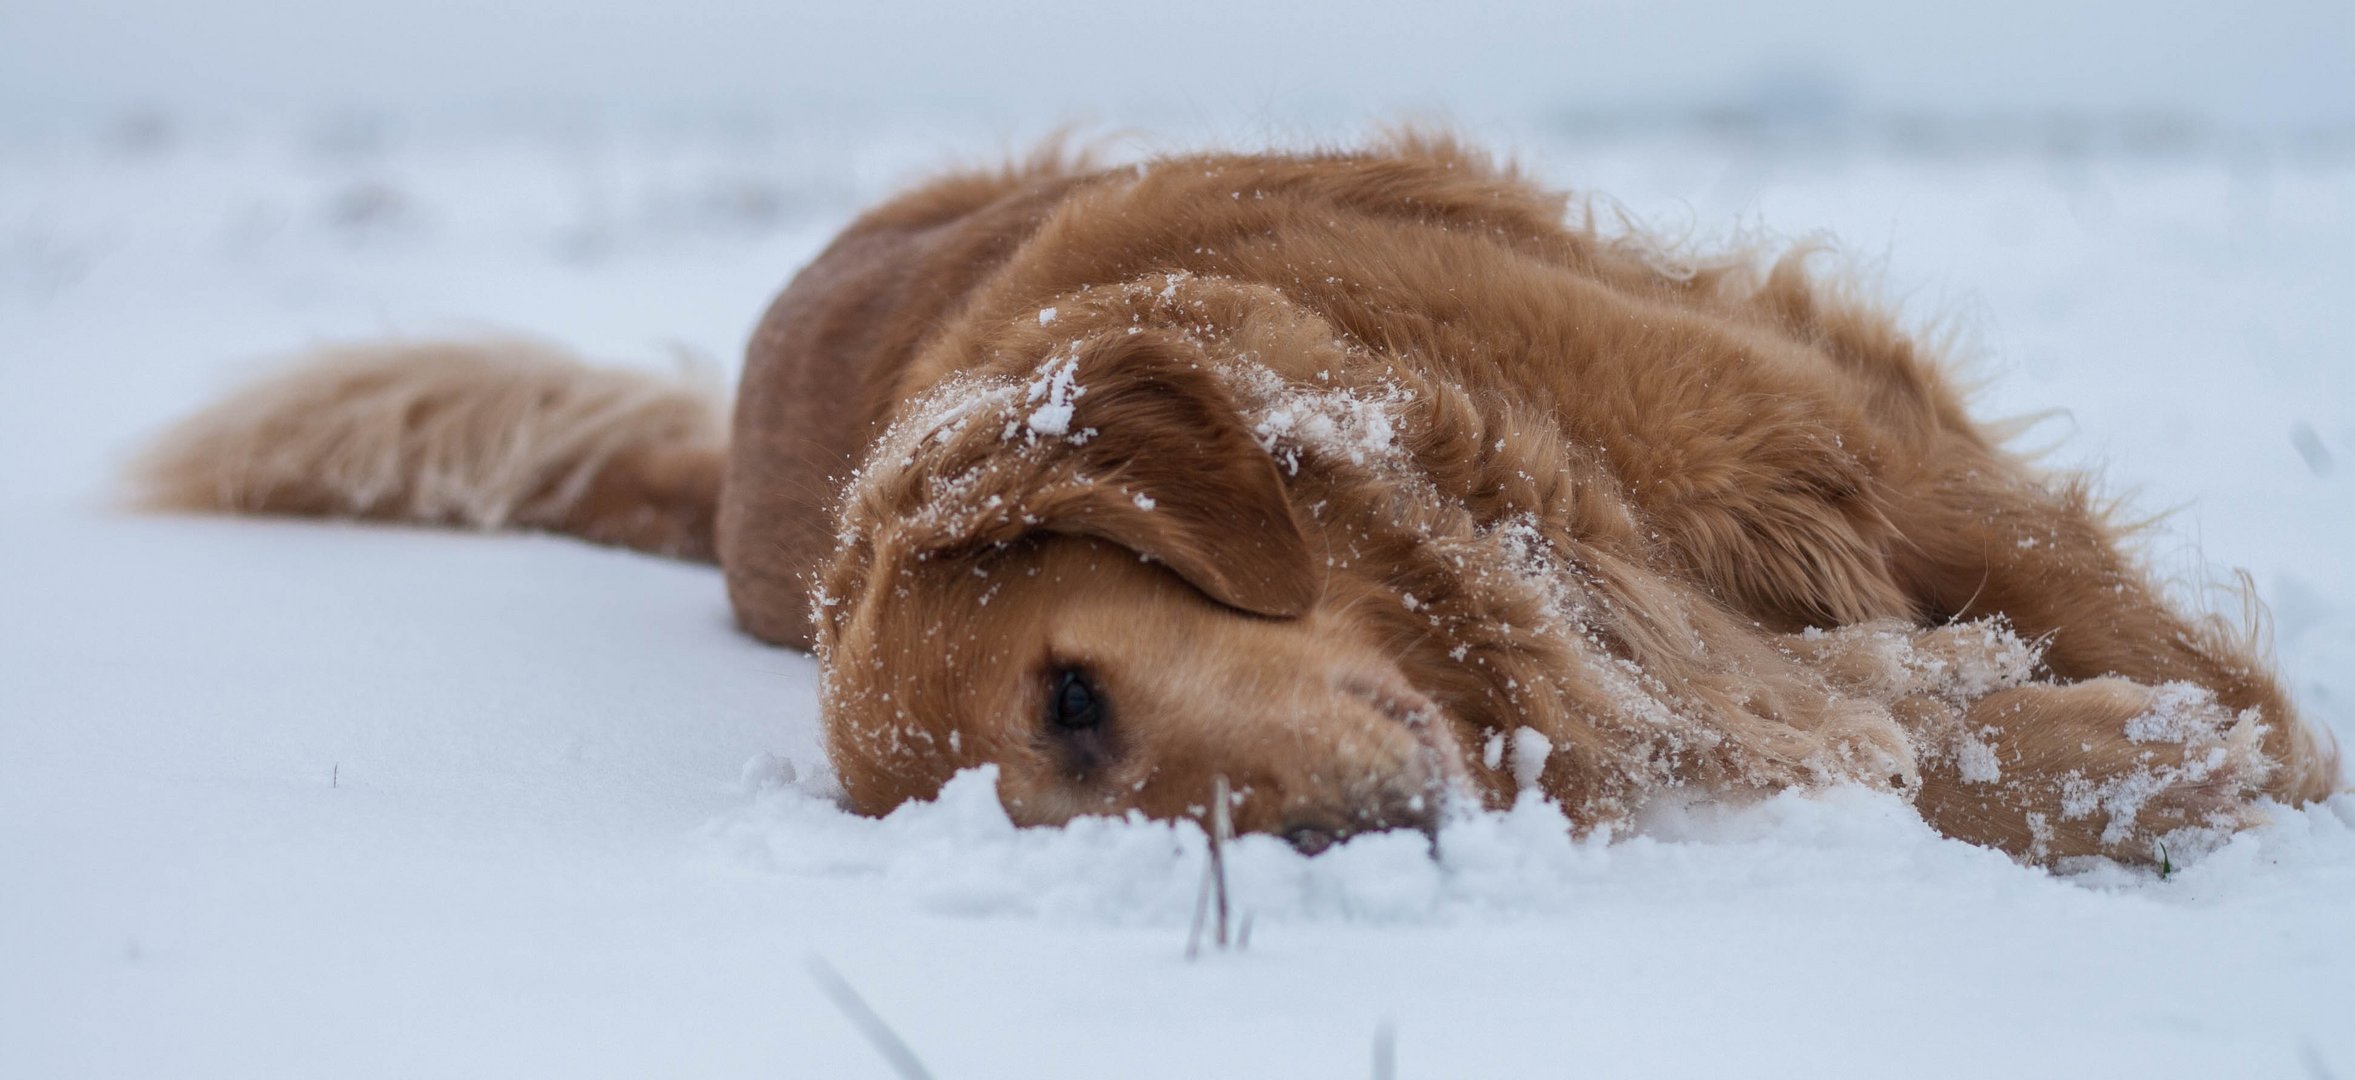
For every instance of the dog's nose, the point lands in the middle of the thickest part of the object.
(1314, 832)
(1311, 839)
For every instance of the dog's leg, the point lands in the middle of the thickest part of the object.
(1981, 535)
(1985, 538)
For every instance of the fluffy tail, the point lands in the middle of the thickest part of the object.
(480, 434)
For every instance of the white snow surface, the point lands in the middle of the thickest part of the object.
(299, 799)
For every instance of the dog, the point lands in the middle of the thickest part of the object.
(1375, 483)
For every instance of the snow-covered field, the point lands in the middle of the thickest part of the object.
(290, 799)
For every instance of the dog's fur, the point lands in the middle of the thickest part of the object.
(1361, 480)
(493, 434)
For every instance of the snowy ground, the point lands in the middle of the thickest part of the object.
(284, 799)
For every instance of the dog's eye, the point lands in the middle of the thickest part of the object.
(1074, 702)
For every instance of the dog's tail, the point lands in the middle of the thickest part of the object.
(481, 434)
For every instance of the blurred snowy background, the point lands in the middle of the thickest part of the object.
(2278, 65)
(298, 800)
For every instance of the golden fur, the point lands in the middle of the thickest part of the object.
(492, 434)
(1368, 483)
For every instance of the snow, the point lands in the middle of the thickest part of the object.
(294, 799)
(1289, 419)
(1530, 749)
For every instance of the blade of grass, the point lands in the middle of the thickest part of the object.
(1222, 829)
(886, 1041)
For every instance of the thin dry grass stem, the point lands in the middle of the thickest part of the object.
(2311, 1057)
(1221, 827)
(1201, 912)
(886, 1041)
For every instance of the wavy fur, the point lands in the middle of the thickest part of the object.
(482, 434)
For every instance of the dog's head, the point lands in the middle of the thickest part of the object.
(1094, 577)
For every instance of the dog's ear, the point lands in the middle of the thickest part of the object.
(1160, 462)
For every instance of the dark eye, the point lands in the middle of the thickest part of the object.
(1073, 701)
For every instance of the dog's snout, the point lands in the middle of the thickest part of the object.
(1387, 693)
(1393, 779)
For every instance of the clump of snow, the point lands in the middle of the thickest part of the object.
(1530, 749)
(2180, 713)
(1982, 656)
(1975, 760)
(766, 770)
(1055, 392)
(1958, 662)
(1290, 419)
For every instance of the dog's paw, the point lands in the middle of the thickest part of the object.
(2104, 768)
(2188, 766)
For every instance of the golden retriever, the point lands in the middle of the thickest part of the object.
(1370, 482)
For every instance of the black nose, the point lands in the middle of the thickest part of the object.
(1310, 839)
(1312, 833)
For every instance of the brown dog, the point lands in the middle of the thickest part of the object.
(1361, 480)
